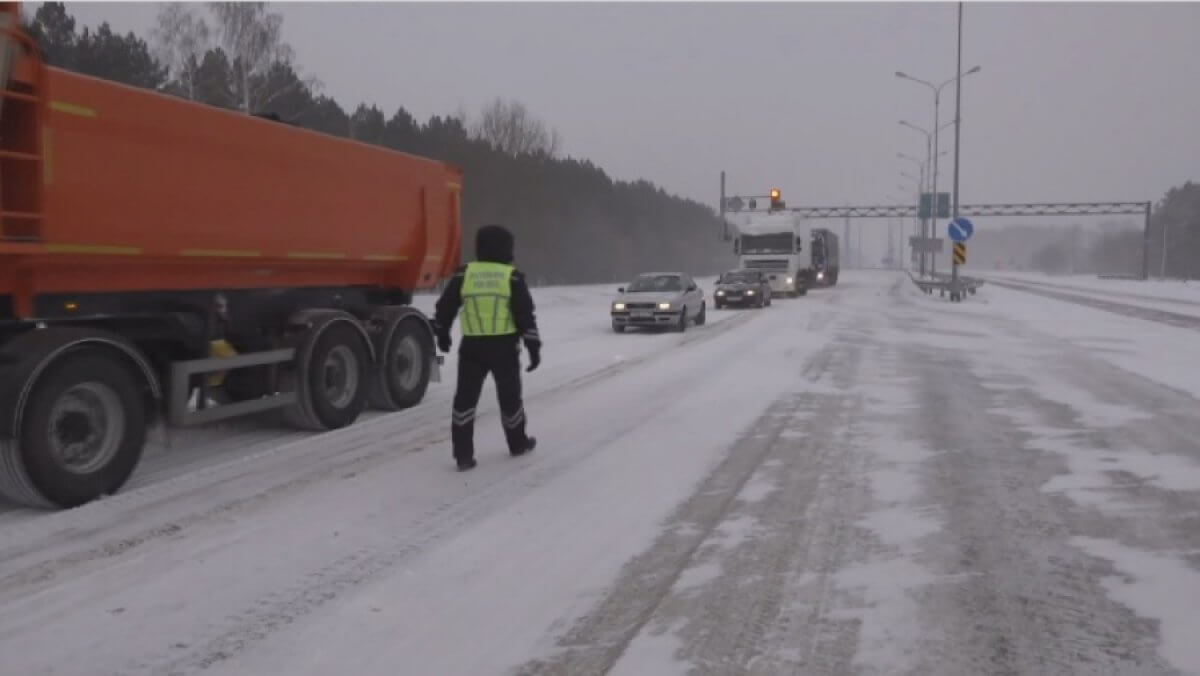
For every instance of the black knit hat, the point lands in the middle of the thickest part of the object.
(494, 244)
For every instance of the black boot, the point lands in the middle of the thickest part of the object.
(465, 464)
(530, 443)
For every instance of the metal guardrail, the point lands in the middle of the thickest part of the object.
(944, 283)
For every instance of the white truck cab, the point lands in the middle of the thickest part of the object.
(779, 244)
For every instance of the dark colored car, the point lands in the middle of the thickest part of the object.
(745, 288)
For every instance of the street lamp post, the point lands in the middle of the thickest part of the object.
(937, 98)
(957, 136)
(1162, 268)
(924, 223)
(920, 164)
(918, 222)
(899, 262)
(918, 226)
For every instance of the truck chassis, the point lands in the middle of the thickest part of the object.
(80, 393)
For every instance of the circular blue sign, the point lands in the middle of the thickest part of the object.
(960, 229)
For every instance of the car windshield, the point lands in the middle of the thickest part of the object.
(740, 278)
(651, 283)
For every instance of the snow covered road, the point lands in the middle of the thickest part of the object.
(862, 481)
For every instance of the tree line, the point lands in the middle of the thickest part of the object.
(1174, 243)
(574, 224)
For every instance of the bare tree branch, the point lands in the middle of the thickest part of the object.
(510, 128)
(180, 39)
(253, 39)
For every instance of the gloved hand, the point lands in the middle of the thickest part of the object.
(535, 355)
(444, 342)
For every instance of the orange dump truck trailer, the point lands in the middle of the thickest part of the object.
(167, 262)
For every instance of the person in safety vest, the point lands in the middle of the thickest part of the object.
(497, 314)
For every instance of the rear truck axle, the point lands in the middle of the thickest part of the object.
(77, 402)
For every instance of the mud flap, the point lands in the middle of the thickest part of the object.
(435, 368)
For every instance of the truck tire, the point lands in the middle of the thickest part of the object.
(82, 432)
(401, 376)
(332, 379)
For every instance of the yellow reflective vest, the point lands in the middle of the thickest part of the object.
(486, 296)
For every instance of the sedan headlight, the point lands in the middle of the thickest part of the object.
(618, 306)
(789, 280)
(749, 292)
(720, 293)
(820, 275)
(664, 306)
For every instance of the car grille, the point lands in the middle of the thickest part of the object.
(641, 306)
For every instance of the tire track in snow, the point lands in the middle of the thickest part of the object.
(1028, 602)
(264, 615)
(1130, 483)
(244, 440)
(57, 542)
(726, 627)
(769, 609)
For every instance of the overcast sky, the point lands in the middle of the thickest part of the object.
(1075, 101)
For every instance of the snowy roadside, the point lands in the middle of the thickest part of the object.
(1143, 348)
(1169, 296)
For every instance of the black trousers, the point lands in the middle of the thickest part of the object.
(499, 356)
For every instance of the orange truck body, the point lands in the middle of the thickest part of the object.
(141, 191)
(164, 261)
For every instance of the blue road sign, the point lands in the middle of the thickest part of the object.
(960, 229)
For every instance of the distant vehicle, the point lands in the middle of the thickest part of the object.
(659, 299)
(825, 257)
(747, 288)
(779, 244)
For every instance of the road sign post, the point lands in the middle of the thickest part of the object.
(960, 230)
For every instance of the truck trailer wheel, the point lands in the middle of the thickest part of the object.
(334, 379)
(402, 372)
(82, 433)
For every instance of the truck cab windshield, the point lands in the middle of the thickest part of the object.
(651, 283)
(776, 243)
